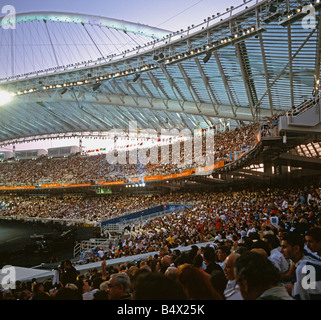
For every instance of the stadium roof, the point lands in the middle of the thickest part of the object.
(251, 62)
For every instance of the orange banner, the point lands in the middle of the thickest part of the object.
(77, 184)
(153, 178)
(53, 185)
(178, 175)
(17, 188)
(169, 176)
(110, 183)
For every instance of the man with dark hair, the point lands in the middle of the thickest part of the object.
(222, 253)
(307, 284)
(313, 240)
(258, 279)
(39, 292)
(69, 273)
(209, 256)
(276, 257)
(83, 287)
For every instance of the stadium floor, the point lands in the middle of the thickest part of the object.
(18, 249)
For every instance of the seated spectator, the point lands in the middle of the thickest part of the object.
(313, 240)
(292, 247)
(119, 287)
(222, 253)
(232, 290)
(276, 257)
(171, 272)
(196, 283)
(198, 261)
(84, 288)
(156, 286)
(260, 251)
(39, 292)
(101, 294)
(258, 278)
(210, 259)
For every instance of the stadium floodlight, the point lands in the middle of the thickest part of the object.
(292, 17)
(5, 97)
(241, 36)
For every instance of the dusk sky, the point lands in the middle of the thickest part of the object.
(165, 14)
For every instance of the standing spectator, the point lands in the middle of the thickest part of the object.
(69, 273)
(292, 247)
(258, 278)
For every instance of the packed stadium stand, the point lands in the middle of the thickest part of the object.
(225, 204)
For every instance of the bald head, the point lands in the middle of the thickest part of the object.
(229, 266)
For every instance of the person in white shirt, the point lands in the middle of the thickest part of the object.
(251, 229)
(222, 254)
(101, 253)
(276, 257)
(292, 247)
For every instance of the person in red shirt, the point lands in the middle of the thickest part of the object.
(218, 225)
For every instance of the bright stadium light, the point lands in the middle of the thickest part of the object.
(5, 97)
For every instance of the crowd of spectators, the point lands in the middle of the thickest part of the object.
(249, 273)
(279, 227)
(89, 168)
(84, 208)
(261, 245)
(219, 216)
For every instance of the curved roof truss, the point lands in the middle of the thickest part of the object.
(253, 64)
